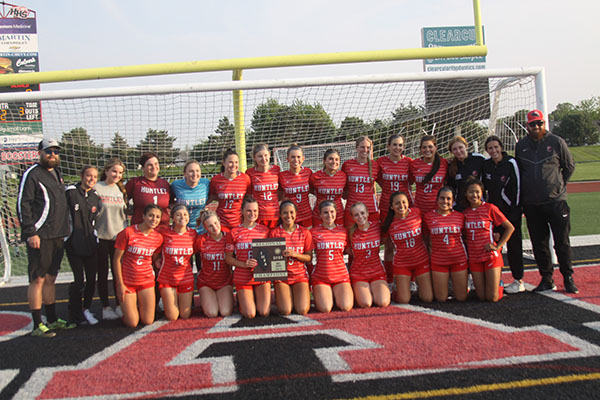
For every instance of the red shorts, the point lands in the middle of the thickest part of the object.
(412, 270)
(269, 223)
(481, 266)
(186, 288)
(315, 282)
(292, 278)
(139, 288)
(369, 279)
(212, 285)
(456, 267)
(249, 286)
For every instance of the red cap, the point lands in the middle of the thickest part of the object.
(534, 115)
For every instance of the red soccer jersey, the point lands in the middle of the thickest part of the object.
(394, 176)
(427, 192)
(360, 186)
(365, 250)
(329, 245)
(136, 264)
(326, 187)
(445, 233)
(214, 272)
(407, 236)
(144, 192)
(479, 226)
(177, 250)
(239, 241)
(300, 241)
(296, 187)
(264, 187)
(230, 193)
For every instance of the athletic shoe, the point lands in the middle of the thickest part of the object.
(515, 287)
(119, 312)
(545, 286)
(89, 317)
(109, 314)
(570, 285)
(413, 287)
(470, 284)
(161, 306)
(61, 324)
(43, 331)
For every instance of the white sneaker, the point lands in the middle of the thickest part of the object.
(118, 311)
(109, 314)
(161, 306)
(413, 287)
(89, 317)
(515, 287)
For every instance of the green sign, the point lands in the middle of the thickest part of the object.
(447, 36)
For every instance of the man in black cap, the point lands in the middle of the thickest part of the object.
(546, 164)
(43, 214)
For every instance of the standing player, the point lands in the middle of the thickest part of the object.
(229, 188)
(403, 228)
(111, 220)
(264, 185)
(462, 166)
(253, 297)
(192, 192)
(485, 255)
(444, 228)
(295, 185)
(394, 176)
(366, 272)
(214, 278)
(429, 173)
(329, 184)
(503, 186)
(298, 250)
(175, 277)
(149, 189)
(361, 173)
(330, 279)
(134, 248)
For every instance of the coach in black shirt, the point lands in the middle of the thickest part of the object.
(546, 164)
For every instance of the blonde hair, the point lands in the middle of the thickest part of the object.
(453, 165)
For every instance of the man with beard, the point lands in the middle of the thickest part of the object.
(43, 214)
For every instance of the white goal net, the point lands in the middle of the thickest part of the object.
(181, 122)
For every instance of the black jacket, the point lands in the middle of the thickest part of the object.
(471, 166)
(503, 184)
(42, 205)
(83, 209)
(545, 166)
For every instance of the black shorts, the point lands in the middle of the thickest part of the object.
(46, 259)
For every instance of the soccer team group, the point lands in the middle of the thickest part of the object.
(148, 231)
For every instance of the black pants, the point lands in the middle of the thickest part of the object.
(514, 246)
(541, 218)
(81, 285)
(106, 252)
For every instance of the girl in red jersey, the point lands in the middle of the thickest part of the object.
(264, 184)
(444, 228)
(429, 173)
(214, 278)
(394, 176)
(361, 173)
(485, 255)
(175, 277)
(366, 272)
(329, 184)
(229, 188)
(330, 279)
(149, 189)
(134, 248)
(295, 185)
(403, 228)
(253, 297)
(298, 250)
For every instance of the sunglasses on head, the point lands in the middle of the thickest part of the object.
(536, 123)
(52, 151)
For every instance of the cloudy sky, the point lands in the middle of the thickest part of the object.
(560, 36)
